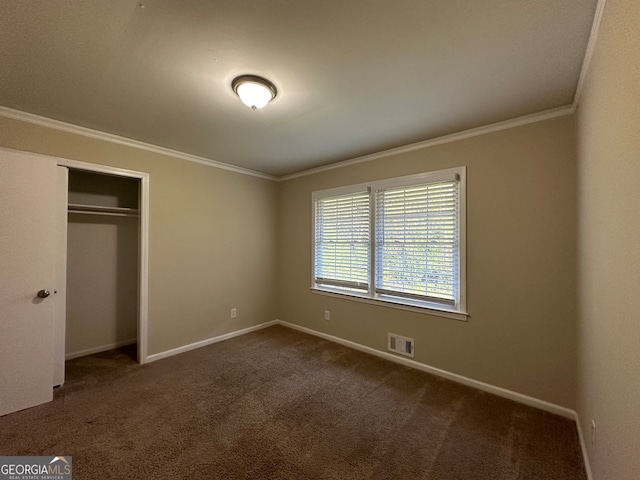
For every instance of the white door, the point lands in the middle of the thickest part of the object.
(27, 266)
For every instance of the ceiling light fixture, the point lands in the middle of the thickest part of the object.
(255, 92)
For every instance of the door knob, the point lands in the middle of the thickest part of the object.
(43, 294)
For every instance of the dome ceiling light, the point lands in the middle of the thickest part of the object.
(255, 92)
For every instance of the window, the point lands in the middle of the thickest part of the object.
(342, 241)
(398, 241)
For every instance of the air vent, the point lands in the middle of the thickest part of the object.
(401, 345)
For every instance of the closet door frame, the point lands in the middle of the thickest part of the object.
(143, 271)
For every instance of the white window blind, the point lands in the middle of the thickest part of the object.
(397, 242)
(417, 242)
(342, 241)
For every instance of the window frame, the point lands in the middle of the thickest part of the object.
(458, 311)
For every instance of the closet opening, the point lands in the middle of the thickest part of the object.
(105, 302)
(103, 228)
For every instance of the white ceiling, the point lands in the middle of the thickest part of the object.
(354, 76)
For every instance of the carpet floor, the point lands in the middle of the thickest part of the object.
(281, 404)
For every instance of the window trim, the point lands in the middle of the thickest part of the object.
(421, 306)
(436, 312)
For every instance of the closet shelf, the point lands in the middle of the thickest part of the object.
(100, 210)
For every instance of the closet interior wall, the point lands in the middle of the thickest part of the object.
(102, 262)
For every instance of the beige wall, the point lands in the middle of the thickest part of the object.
(102, 282)
(212, 236)
(521, 221)
(608, 120)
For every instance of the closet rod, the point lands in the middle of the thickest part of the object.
(102, 210)
(110, 214)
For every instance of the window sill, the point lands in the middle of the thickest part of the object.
(461, 316)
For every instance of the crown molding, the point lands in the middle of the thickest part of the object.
(454, 137)
(591, 46)
(108, 137)
(495, 127)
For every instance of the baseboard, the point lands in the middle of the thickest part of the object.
(208, 341)
(101, 348)
(583, 446)
(485, 387)
(501, 392)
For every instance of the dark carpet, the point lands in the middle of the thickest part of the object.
(280, 404)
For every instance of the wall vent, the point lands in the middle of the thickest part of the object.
(401, 345)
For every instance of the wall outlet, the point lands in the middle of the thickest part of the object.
(327, 315)
(593, 433)
(234, 313)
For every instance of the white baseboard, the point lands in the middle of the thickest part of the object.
(101, 348)
(583, 445)
(208, 341)
(501, 392)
